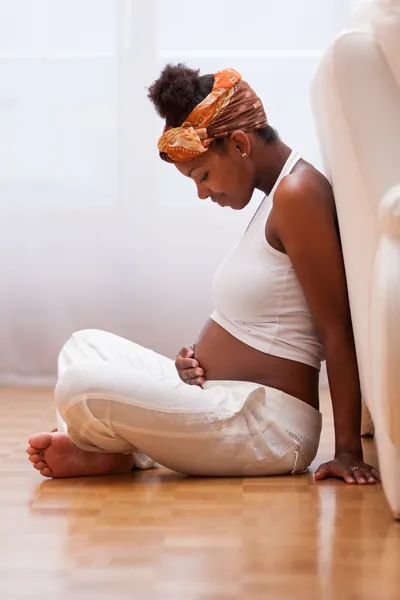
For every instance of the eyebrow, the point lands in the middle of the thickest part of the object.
(192, 170)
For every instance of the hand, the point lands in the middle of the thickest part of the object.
(350, 467)
(188, 368)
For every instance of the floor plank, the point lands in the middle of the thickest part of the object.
(160, 535)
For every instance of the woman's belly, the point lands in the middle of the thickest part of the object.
(224, 357)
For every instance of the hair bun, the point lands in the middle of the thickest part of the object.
(173, 92)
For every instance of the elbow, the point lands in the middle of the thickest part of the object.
(337, 337)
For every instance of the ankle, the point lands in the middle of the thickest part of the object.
(121, 463)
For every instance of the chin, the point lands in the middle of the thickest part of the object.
(241, 204)
(232, 203)
(246, 201)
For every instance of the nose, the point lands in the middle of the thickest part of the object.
(202, 191)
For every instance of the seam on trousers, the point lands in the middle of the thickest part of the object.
(159, 409)
(269, 460)
(169, 434)
(298, 436)
(296, 460)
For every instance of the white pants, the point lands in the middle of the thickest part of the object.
(115, 396)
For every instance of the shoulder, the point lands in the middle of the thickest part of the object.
(304, 205)
(305, 189)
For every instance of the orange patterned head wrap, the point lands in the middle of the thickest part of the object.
(231, 105)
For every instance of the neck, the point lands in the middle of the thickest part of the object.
(269, 160)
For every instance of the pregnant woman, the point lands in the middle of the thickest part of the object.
(243, 400)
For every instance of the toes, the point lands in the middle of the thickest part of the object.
(34, 458)
(40, 465)
(41, 441)
(46, 472)
(31, 450)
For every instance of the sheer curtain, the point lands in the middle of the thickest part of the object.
(96, 232)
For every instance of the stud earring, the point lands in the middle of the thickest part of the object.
(244, 154)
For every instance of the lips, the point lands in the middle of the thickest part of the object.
(217, 199)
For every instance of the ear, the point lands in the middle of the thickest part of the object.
(240, 143)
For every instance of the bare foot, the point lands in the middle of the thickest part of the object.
(55, 455)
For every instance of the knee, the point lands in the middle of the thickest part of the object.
(85, 333)
(72, 386)
(81, 336)
(79, 347)
(80, 382)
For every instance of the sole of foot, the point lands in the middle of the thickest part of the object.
(55, 455)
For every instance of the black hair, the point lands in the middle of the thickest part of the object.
(179, 89)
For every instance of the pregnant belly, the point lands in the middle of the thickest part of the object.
(224, 357)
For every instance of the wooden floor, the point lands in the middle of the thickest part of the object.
(160, 535)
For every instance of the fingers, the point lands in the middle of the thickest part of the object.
(359, 476)
(371, 475)
(198, 381)
(195, 380)
(362, 474)
(187, 352)
(322, 472)
(371, 479)
(366, 475)
(188, 368)
(346, 473)
(186, 363)
(349, 477)
(327, 470)
(376, 475)
(189, 374)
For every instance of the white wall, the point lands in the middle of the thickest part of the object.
(95, 230)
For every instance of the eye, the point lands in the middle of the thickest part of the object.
(204, 178)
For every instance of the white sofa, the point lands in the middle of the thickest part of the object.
(356, 103)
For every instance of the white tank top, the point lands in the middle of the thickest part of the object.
(258, 298)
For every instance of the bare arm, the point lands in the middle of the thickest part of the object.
(304, 220)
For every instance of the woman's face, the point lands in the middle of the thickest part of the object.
(223, 175)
